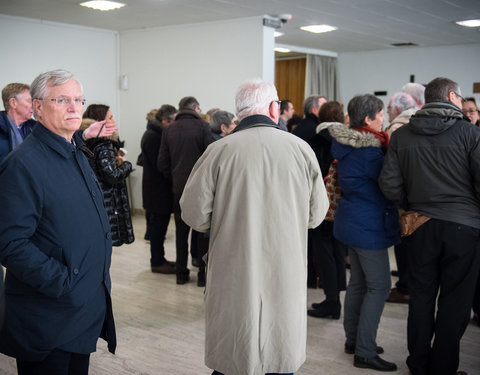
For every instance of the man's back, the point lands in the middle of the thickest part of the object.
(306, 128)
(439, 158)
(183, 142)
(260, 189)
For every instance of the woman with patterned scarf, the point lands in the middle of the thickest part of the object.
(367, 223)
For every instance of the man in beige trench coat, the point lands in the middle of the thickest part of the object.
(258, 191)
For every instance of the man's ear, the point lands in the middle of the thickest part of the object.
(223, 128)
(274, 112)
(451, 96)
(12, 102)
(37, 106)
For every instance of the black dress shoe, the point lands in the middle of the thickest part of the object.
(350, 349)
(183, 279)
(375, 363)
(201, 279)
(195, 262)
(326, 309)
(165, 268)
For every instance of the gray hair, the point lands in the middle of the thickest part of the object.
(218, 118)
(417, 91)
(311, 102)
(188, 102)
(39, 88)
(254, 96)
(401, 101)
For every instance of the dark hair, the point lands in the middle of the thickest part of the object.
(166, 112)
(331, 112)
(362, 106)
(284, 106)
(97, 112)
(188, 102)
(294, 121)
(439, 88)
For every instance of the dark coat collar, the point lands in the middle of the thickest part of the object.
(187, 113)
(254, 121)
(56, 142)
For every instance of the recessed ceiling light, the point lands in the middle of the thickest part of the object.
(282, 50)
(277, 33)
(469, 23)
(318, 28)
(102, 5)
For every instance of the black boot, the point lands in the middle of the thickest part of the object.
(326, 309)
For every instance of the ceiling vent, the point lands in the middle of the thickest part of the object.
(406, 44)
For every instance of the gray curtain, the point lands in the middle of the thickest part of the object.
(321, 76)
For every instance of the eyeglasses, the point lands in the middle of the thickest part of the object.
(65, 101)
(459, 96)
(470, 111)
(278, 102)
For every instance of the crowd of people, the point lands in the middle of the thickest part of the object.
(348, 186)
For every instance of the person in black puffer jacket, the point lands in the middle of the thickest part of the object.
(112, 170)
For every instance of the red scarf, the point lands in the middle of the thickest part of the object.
(382, 136)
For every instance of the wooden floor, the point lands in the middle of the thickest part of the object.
(160, 325)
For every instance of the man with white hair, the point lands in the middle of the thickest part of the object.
(416, 91)
(257, 266)
(401, 107)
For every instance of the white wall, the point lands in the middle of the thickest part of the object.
(389, 70)
(207, 60)
(31, 47)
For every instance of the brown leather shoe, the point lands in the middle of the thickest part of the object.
(397, 297)
(165, 268)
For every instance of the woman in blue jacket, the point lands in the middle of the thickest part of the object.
(367, 223)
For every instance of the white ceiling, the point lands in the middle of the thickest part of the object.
(363, 25)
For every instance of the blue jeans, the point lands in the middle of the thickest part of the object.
(271, 373)
(367, 291)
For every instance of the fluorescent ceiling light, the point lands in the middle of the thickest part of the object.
(282, 50)
(102, 5)
(469, 23)
(277, 33)
(318, 28)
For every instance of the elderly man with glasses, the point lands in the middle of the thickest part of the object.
(432, 170)
(55, 240)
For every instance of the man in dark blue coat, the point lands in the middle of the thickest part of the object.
(54, 240)
(14, 124)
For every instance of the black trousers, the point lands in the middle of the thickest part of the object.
(476, 298)
(442, 256)
(158, 226)
(401, 258)
(330, 258)
(182, 231)
(58, 362)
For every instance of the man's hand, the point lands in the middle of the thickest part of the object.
(100, 129)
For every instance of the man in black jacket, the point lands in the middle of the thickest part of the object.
(183, 142)
(157, 190)
(308, 126)
(433, 168)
